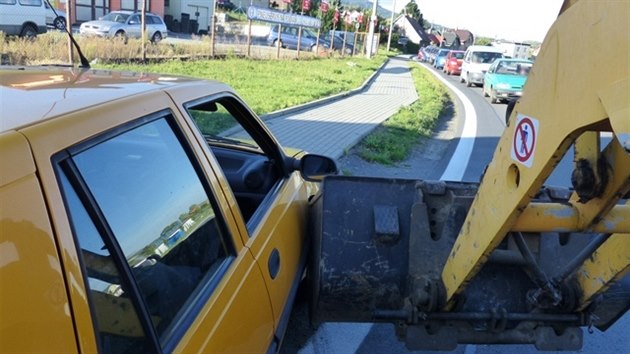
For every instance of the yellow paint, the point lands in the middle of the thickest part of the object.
(46, 309)
(563, 94)
(609, 263)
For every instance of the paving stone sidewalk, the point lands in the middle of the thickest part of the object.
(330, 128)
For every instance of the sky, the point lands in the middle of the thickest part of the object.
(516, 20)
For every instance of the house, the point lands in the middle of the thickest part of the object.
(457, 39)
(410, 28)
(514, 49)
(189, 16)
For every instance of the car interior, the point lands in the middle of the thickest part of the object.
(251, 173)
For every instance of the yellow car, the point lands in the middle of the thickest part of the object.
(144, 213)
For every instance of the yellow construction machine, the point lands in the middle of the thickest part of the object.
(507, 260)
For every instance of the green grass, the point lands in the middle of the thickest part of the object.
(270, 85)
(395, 138)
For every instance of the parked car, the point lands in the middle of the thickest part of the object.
(431, 51)
(477, 60)
(55, 18)
(23, 18)
(125, 24)
(440, 58)
(225, 5)
(145, 213)
(421, 54)
(505, 79)
(289, 39)
(453, 63)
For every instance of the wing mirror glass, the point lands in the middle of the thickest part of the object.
(316, 167)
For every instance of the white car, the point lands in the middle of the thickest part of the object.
(477, 61)
(55, 18)
(125, 24)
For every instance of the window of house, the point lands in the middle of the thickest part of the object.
(149, 232)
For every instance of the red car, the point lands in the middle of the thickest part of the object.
(453, 64)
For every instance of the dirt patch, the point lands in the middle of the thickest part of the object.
(426, 160)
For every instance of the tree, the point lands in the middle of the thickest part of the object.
(412, 10)
(483, 41)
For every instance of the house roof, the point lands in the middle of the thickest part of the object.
(417, 27)
(449, 37)
(464, 35)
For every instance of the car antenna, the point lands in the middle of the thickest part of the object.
(84, 62)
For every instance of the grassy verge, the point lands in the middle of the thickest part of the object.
(270, 85)
(393, 140)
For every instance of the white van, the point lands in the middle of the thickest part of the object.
(477, 60)
(25, 18)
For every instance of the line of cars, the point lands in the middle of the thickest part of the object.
(501, 78)
(289, 36)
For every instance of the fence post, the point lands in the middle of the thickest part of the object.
(249, 39)
(279, 41)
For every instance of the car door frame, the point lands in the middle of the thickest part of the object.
(86, 124)
(280, 223)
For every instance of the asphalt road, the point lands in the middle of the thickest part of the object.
(479, 142)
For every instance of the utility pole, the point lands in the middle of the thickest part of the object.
(391, 26)
(370, 44)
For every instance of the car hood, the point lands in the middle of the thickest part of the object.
(512, 80)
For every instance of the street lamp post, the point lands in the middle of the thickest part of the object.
(370, 46)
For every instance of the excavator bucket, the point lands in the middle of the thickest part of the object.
(380, 246)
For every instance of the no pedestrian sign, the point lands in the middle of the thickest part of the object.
(524, 141)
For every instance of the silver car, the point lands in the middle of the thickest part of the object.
(125, 24)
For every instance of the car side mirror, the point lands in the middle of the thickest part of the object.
(316, 167)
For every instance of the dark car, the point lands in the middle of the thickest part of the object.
(225, 5)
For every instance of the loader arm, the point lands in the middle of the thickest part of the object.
(570, 101)
(508, 260)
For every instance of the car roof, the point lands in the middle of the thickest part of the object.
(32, 94)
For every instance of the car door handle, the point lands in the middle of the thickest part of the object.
(274, 263)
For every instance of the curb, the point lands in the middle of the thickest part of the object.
(325, 100)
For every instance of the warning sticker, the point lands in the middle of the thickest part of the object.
(524, 142)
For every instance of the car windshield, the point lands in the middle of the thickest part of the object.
(116, 17)
(485, 57)
(459, 55)
(520, 68)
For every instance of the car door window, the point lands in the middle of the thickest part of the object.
(134, 20)
(252, 170)
(158, 225)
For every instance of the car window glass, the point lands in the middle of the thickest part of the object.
(31, 2)
(7, 2)
(218, 125)
(118, 327)
(161, 216)
(134, 20)
(251, 171)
